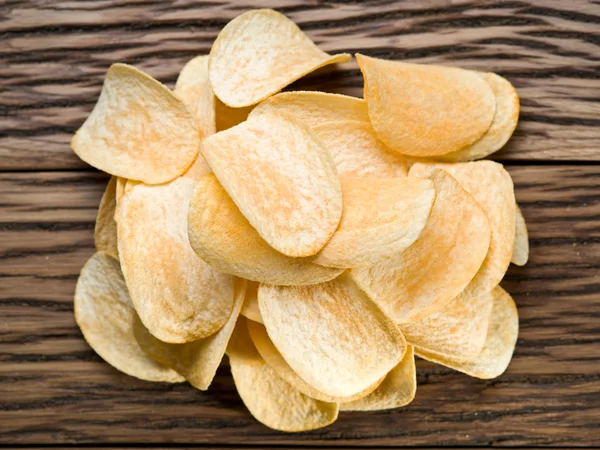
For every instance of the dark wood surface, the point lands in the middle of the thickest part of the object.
(55, 390)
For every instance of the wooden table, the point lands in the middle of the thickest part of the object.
(55, 390)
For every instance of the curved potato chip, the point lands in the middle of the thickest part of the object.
(120, 189)
(197, 361)
(193, 88)
(316, 108)
(105, 231)
(520, 253)
(459, 329)
(221, 236)
(250, 308)
(283, 180)
(426, 110)
(397, 389)
(103, 311)
(273, 358)
(492, 188)
(269, 398)
(178, 296)
(499, 346)
(371, 231)
(138, 129)
(439, 265)
(331, 334)
(503, 125)
(228, 117)
(260, 52)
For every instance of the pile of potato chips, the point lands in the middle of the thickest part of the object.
(320, 240)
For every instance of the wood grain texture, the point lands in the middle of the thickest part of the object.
(55, 389)
(53, 56)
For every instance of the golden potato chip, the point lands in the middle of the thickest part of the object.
(273, 358)
(105, 232)
(499, 346)
(397, 389)
(197, 361)
(520, 253)
(426, 110)
(459, 329)
(222, 237)
(260, 52)
(283, 180)
(439, 265)
(103, 311)
(503, 125)
(269, 398)
(331, 334)
(193, 88)
(178, 296)
(492, 188)
(250, 308)
(316, 108)
(381, 218)
(138, 129)
(228, 117)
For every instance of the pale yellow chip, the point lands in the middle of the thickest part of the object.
(250, 308)
(459, 329)
(178, 296)
(332, 335)
(120, 189)
(228, 117)
(316, 108)
(269, 398)
(503, 125)
(426, 110)
(105, 232)
(380, 219)
(138, 129)
(283, 180)
(197, 361)
(193, 88)
(520, 253)
(260, 52)
(491, 186)
(273, 358)
(397, 389)
(499, 346)
(104, 311)
(439, 265)
(222, 237)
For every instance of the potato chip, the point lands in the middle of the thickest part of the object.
(331, 334)
(250, 308)
(222, 237)
(197, 361)
(316, 108)
(520, 253)
(193, 88)
(270, 399)
(439, 265)
(283, 180)
(260, 52)
(492, 188)
(103, 311)
(138, 129)
(105, 232)
(273, 358)
(426, 110)
(120, 189)
(499, 346)
(503, 125)
(228, 117)
(381, 218)
(459, 329)
(198, 169)
(178, 296)
(397, 389)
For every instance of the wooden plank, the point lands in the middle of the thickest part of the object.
(55, 389)
(54, 54)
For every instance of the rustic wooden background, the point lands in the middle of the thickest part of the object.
(53, 54)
